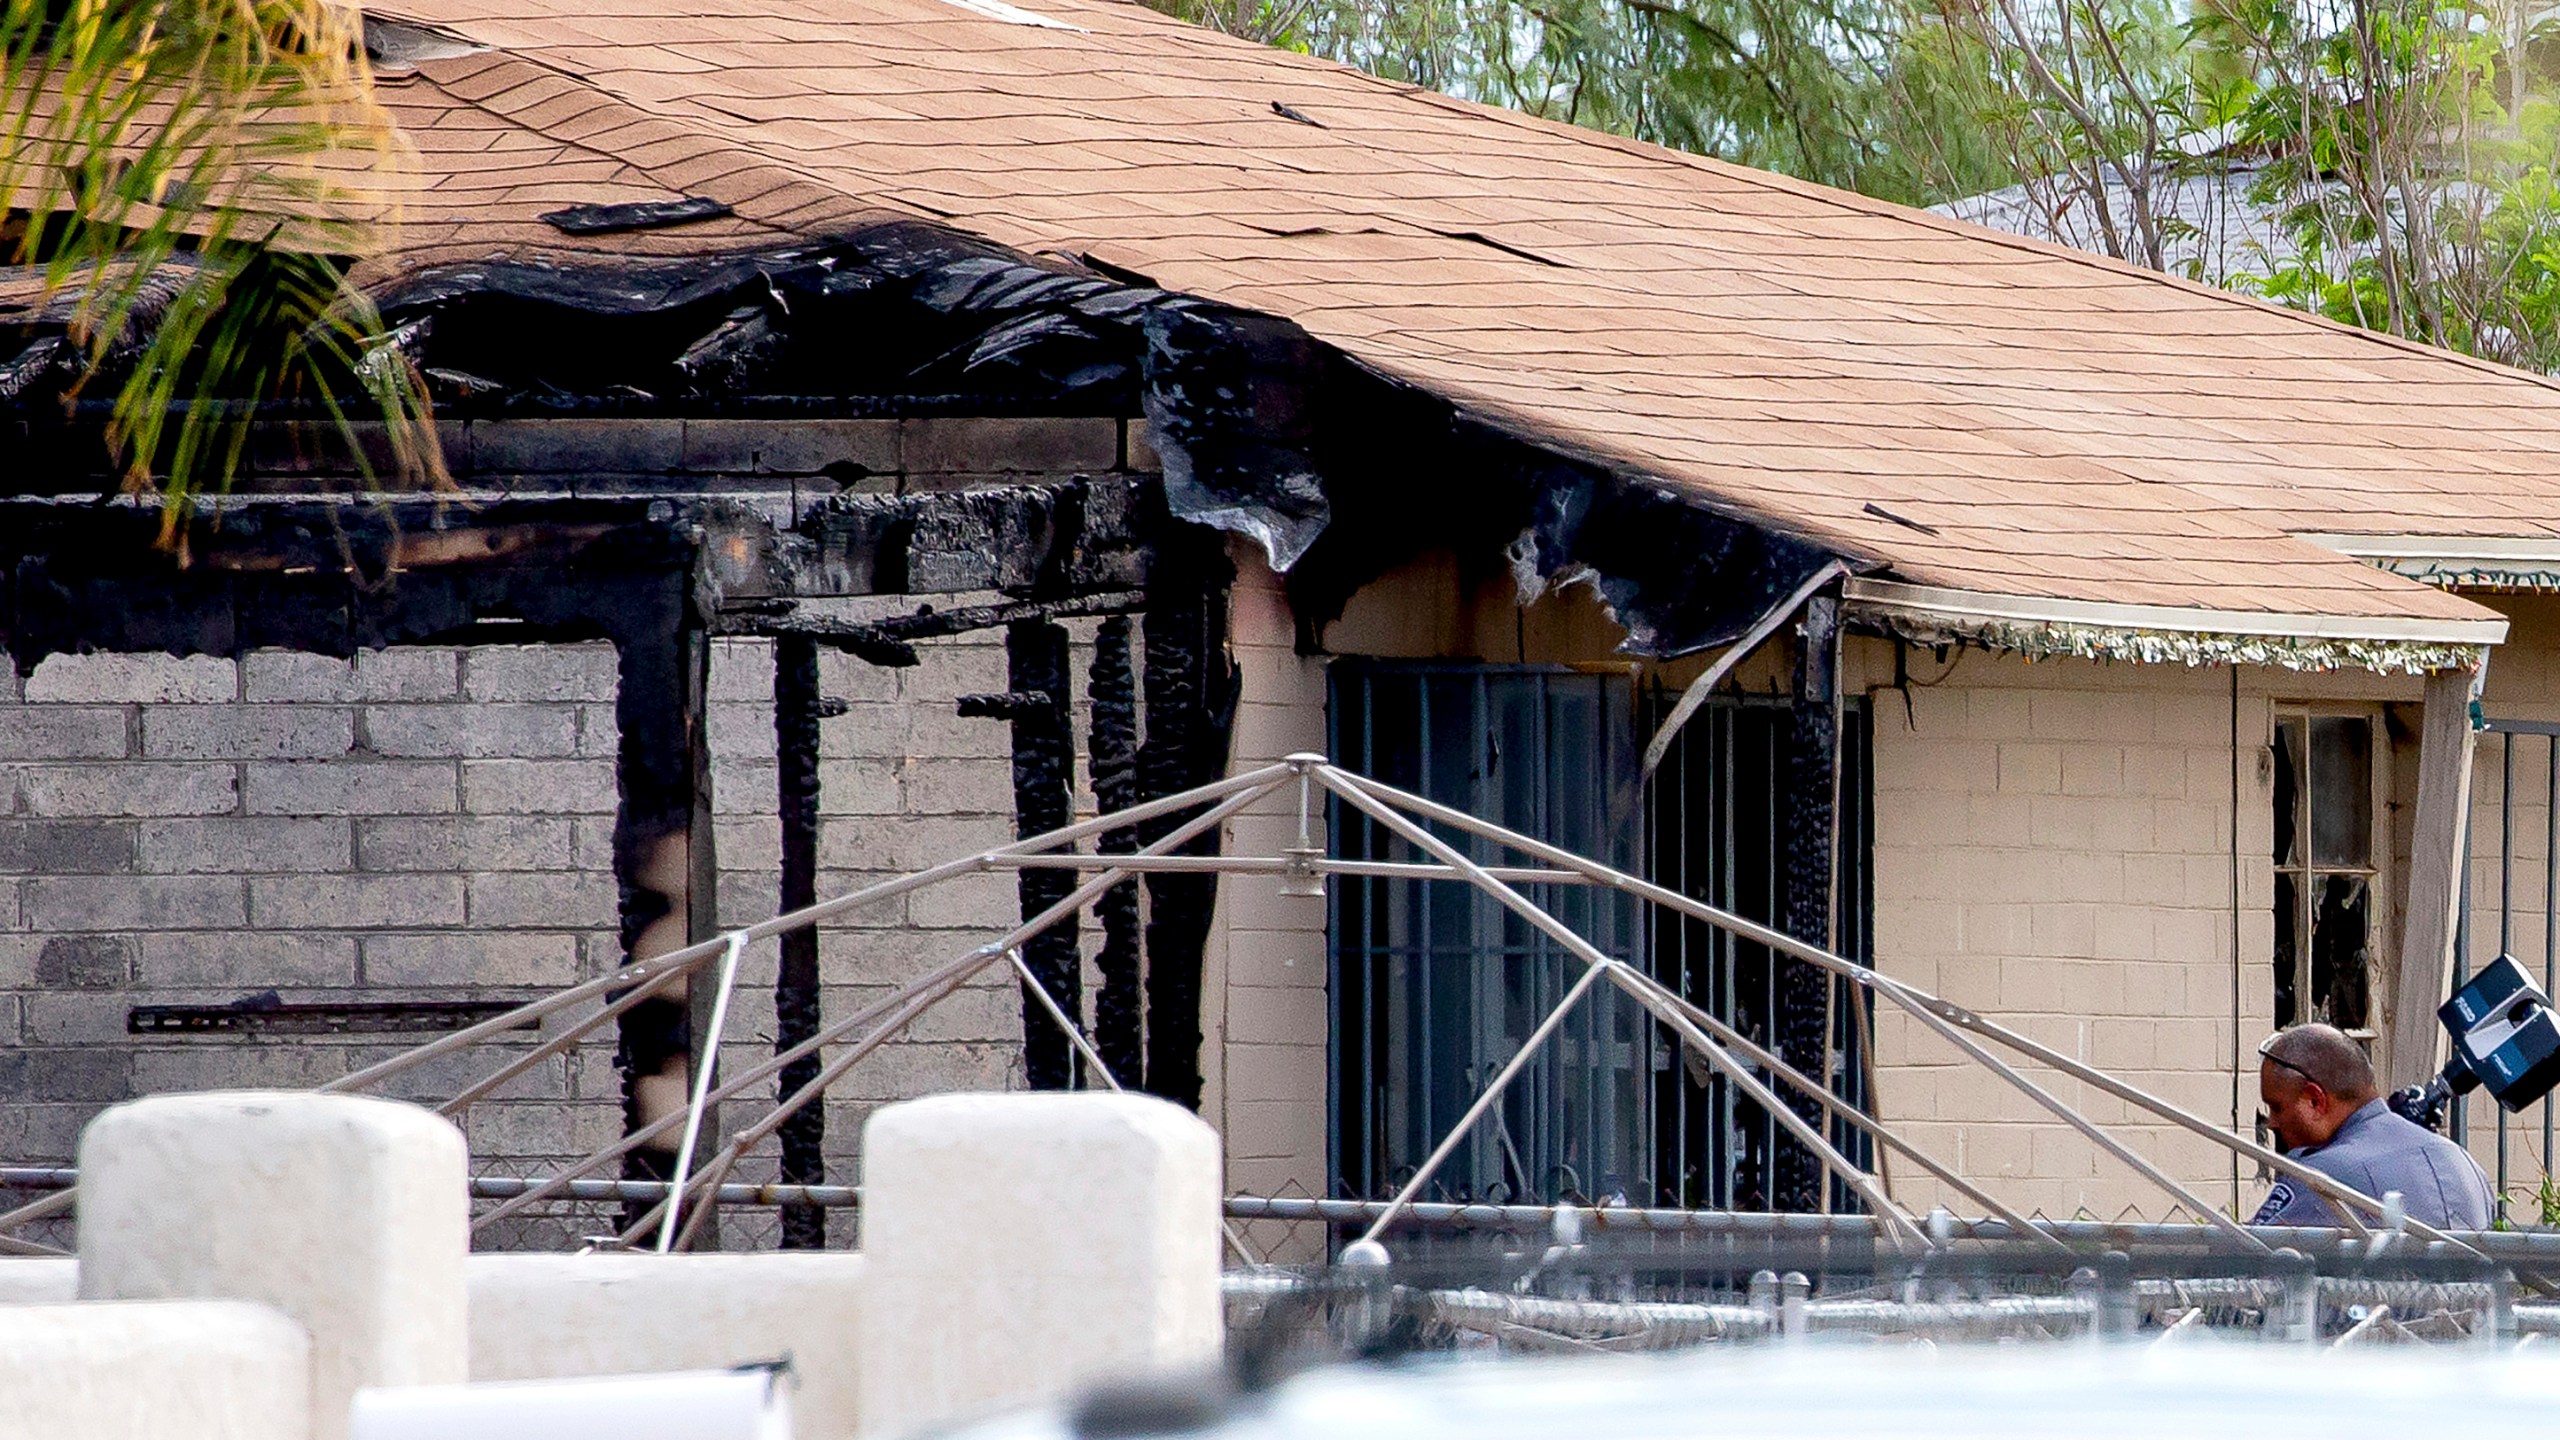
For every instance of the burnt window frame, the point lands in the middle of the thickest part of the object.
(2295, 775)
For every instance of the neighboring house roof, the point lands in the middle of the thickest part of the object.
(1969, 412)
(2211, 230)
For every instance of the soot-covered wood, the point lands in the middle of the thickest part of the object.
(1043, 759)
(1119, 1027)
(797, 709)
(1811, 822)
(1190, 688)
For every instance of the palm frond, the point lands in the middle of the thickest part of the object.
(194, 179)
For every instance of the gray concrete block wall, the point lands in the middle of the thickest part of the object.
(436, 823)
(904, 783)
(432, 823)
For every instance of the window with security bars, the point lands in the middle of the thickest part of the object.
(1715, 830)
(1435, 986)
(2325, 869)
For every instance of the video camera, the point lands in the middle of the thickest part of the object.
(2505, 1037)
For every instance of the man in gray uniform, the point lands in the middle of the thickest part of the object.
(2327, 1112)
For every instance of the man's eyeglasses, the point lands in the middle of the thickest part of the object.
(2267, 1052)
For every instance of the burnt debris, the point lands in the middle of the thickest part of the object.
(1119, 1027)
(797, 710)
(1036, 666)
(641, 215)
(1190, 688)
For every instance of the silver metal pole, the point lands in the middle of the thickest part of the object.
(641, 971)
(920, 1000)
(474, 1092)
(551, 1185)
(1076, 900)
(701, 1087)
(1768, 1060)
(1887, 1216)
(1484, 1101)
(1093, 1058)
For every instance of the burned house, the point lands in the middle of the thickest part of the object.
(884, 428)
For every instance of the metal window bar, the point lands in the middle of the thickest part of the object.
(1435, 985)
(1619, 1110)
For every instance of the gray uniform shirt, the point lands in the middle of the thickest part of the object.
(2377, 1151)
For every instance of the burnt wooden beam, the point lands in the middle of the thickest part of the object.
(1075, 537)
(797, 709)
(1811, 823)
(1190, 687)
(1043, 761)
(1119, 1028)
(653, 866)
(889, 642)
(331, 577)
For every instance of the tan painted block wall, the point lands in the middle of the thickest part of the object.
(2054, 848)
(1266, 1047)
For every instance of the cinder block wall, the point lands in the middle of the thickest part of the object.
(2055, 848)
(904, 783)
(437, 823)
(420, 824)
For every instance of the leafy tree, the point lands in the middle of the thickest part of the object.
(186, 183)
(1824, 89)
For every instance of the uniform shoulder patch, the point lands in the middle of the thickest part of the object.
(2277, 1199)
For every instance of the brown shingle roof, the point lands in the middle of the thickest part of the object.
(2068, 427)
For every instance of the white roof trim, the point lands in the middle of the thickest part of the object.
(1012, 14)
(1892, 597)
(2504, 549)
(2457, 562)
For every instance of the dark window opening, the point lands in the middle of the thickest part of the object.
(2324, 871)
(1435, 986)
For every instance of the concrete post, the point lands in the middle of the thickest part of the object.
(348, 1214)
(207, 1370)
(1024, 1246)
(541, 1317)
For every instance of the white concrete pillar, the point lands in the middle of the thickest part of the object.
(543, 1317)
(350, 1215)
(1024, 1246)
(204, 1369)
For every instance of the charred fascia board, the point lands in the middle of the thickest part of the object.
(1407, 471)
(2524, 564)
(1336, 470)
(2163, 634)
(334, 577)
(1086, 546)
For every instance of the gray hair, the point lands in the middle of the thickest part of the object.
(2324, 1055)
